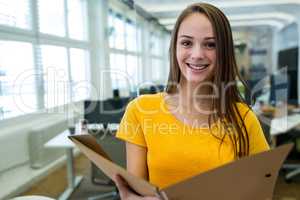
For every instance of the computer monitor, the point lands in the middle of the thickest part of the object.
(288, 60)
(105, 112)
(279, 91)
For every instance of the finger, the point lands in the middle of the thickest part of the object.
(125, 190)
(151, 198)
(121, 182)
(163, 196)
(122, 186)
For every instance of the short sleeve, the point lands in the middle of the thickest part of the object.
(130, 128)
(257, 140)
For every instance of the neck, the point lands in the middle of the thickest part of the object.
(194, 97)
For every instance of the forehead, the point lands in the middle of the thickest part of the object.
(196, 25)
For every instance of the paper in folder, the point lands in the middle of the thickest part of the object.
(249, 178)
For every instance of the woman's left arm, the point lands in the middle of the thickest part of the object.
(257, 139)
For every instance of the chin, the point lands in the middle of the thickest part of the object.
(198, 79)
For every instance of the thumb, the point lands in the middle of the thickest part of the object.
(122, 186)
(151, 198)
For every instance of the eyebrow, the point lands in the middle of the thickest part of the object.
(190, 37)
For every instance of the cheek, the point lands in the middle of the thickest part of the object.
(180, 60)
(180, 55)
(213, 60)
(212, 56)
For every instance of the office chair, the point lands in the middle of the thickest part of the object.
(265, 122)
(115, 148)
(291, 170)
(105, 113)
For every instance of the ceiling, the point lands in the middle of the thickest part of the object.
(274, 14)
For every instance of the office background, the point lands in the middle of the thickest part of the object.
(54, 54)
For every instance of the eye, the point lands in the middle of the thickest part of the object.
(186, 43)
(210, 45)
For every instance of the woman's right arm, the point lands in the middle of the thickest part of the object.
(136, 165)
(137, 160)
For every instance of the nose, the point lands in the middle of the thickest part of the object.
(197, 52)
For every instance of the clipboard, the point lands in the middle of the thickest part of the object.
(249, 178)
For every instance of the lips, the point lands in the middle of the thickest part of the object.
(198, 67)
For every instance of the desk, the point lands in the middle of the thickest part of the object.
(283, 124)
(62, 141)
(280, 126)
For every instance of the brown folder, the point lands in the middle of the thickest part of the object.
(249, 178)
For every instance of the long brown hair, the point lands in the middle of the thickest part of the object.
(226, 73)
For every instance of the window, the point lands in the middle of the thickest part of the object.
(60, 64)
(15, 13)
(111, 29)
(131, 36)
(117, 31)
(157, 58)
(118, 70)
(125, 51)
(132, 69)
(17, 79)
(51, 17)
(139, 38)
(157, 69)
(79, 74)
(56, 79)
(77, 15)
(155, 45)
(117, 62)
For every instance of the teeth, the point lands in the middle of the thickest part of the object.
(198, 66)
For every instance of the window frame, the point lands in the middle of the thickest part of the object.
(158, 39)
(37, 38)
(137, 53)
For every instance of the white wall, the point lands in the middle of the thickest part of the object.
(14, 133)
(287, 37)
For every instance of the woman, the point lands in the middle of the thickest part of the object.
(201, 122)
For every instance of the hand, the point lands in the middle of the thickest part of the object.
(126, 193)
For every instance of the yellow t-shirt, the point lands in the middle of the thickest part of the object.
(177, 151)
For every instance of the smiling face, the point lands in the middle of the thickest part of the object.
(196, 49)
